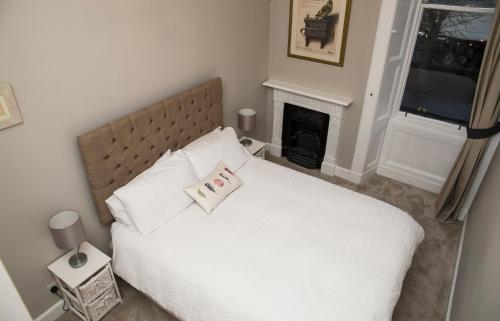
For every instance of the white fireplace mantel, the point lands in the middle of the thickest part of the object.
(323, 102)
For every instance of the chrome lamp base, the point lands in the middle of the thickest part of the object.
(246, 142)
(78, 260)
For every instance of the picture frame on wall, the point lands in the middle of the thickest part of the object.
(318, 30)
(9, 111)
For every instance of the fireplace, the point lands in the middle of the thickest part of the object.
(320, 103)
(304, 136)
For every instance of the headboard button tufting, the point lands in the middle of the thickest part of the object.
(117, 152)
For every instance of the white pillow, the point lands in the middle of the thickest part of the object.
(212, 190)
(158, 194)
(116, 207)
(208, 151)
(160, 160)
(118, 212)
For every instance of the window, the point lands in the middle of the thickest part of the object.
(465, 3)
(446, 62)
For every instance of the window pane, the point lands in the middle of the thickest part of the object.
(445, 64)
(468, 3)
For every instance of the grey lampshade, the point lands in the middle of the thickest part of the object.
(247, 119)
(67, 229)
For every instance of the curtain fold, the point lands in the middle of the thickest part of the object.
(485, 112)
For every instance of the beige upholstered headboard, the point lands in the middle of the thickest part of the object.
(117, 152)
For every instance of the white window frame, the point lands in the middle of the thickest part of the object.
(439, 124)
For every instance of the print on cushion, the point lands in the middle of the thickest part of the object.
(201, 193)
(212, 190)
(225, 177)
(210, 187)
(218, 182)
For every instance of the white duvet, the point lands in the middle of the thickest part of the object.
(283, 247)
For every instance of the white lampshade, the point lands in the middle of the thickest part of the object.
(67, 229)
(247, 119)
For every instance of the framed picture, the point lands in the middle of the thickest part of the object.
(318, 30)
(9, 112)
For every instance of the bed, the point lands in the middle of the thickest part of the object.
(284, 246)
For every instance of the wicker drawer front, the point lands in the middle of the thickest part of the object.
(96, 286)
(102, 305)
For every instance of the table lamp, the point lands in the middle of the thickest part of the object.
(246, 122)
(68, 233)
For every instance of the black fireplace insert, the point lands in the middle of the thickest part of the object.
(304, 136)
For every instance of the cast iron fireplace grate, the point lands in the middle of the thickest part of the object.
(304, 136)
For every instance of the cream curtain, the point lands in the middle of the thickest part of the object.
(485, 112)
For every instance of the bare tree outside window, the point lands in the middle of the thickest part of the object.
(446, 63)
(464, 3)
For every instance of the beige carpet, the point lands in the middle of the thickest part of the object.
(427, 285)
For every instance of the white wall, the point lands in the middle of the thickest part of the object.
(75, 65)
(349, 81)
(477, 289)
(11, 305)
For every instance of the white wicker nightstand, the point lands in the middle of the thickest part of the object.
(257, 149)
(90, 290)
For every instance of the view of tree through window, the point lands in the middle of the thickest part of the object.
(463, 3)
(445, 65)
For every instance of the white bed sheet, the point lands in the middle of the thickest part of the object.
(285, 246)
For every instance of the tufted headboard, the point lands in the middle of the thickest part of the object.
(117, 152)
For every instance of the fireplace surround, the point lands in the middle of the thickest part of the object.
(326, 103)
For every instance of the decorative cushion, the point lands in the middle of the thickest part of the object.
(212, 190)
(157, 195)
(208, 151)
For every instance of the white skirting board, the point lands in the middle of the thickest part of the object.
(52, 313)
(330, 168)
(352, 176)
(348, 175)
(424, 180)
(455, 271)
